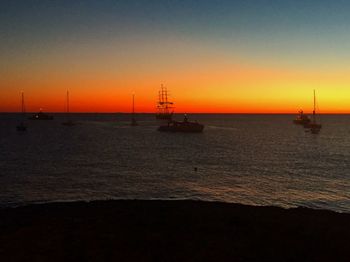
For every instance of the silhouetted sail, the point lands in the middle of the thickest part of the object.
(164, 106)
(314, 126)
(68, 122)
(133, 120)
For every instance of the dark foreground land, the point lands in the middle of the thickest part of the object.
(171, 231)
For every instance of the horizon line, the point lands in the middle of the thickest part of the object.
(181, 113)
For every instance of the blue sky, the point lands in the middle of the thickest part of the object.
(258, 30)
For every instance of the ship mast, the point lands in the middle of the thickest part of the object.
(23, 108)
(164, 105)
(166, 101)
(133, 120)
(314, 112)
(133, 104)
(162, 101)
(67, 97)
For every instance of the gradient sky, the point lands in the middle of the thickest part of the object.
(214, 56)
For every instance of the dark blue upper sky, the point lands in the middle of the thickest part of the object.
(248, 49)
(260, 29)
(221, 13)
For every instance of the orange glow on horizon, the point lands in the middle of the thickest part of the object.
(227, 89)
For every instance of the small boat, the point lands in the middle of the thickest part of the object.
(133, 120)
(22, 126)
(313, 125)
(185, 126)
(164, 106)
(301, 119)
(69, 122)
(41, 116)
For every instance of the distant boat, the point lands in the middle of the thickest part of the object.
(41, 116)
(69, 122)
(314, 126)
(164, 106)
(185, 126)
(301, 119)
(22, 126)
(133, 120)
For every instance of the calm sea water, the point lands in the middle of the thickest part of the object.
(249, 159)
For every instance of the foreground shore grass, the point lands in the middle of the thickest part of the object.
(135, 230)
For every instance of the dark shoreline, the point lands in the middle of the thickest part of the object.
(176, 230)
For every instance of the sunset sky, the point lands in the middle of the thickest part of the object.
(263, 56)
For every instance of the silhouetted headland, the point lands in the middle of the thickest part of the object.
(135, 230)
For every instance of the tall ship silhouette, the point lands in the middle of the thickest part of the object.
(166, 111)
(165, 108)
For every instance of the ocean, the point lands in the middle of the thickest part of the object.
(248, 159)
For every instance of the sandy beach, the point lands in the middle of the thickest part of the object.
(135, 230)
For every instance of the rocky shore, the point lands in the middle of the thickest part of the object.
(156, 230)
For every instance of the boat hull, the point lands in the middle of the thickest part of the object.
(41, 116)
(183, 127)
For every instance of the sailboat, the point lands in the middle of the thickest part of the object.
(301, 118)
(185, 126)
(133, 120)
(164, 106)
(314, 126)
(22, 126)
(69, 122)
(41, 116)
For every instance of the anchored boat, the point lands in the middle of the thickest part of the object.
(41, 116)
(185, 126)
(301, 119)
(313, 125)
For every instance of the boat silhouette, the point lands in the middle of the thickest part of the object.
(185, 126)
(164, 106)
(313, 125)
(301, 119)
(133, 120)
(68, 122)
(41, 116)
